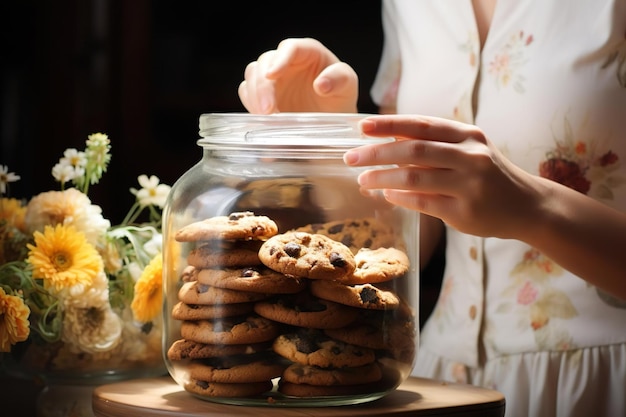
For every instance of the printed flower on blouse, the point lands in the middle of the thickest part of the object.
(472, 48)
(539, 304)
(506, 64)
(583, 164)
(463, 111)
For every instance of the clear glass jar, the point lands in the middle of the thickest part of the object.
(243, 325)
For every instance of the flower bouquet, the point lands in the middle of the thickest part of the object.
(80, 299)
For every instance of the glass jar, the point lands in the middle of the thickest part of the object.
(284, 283)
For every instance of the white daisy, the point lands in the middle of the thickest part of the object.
(151, 193)
(6, 177)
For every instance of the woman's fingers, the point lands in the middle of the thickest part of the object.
(257, 92)
(420, 127)
(419, 152)
(338, 79)
(436, 205)
(413, 178)
(301, 74)
(300, 53)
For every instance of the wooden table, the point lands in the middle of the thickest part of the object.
(160, 397)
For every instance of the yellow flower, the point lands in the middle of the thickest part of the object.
(12, 230)
(63, 258)
(146, 304)
(14, 325)
(13, 212)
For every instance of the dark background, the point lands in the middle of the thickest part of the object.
(143, 72)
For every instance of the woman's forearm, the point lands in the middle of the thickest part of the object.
(582, 235)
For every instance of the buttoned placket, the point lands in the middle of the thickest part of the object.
(475, 292)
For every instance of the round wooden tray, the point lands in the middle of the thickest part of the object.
(160, 397)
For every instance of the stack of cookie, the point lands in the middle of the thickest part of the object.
(315, 307)
(228, 344)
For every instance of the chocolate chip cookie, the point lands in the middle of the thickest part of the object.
(355, 233)
(359, 295)
(188, 349)
(313, 347)
(255, 367)
(243, 225)
(305, 310)
(230, 330)
(298, 373)
(196, 293)
(225, 253)
(307, 255)
(252, 278)
(377, 265)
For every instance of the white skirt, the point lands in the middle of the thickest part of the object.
(583, 382)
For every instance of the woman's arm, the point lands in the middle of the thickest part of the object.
(579, 233)
(451, 171)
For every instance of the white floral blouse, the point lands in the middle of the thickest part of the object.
(549, 88)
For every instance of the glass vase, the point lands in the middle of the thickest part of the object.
(67, 375)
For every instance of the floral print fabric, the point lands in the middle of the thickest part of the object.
(549, 89)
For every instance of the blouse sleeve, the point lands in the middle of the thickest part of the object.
(384, 91)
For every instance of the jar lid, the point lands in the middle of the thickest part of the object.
(293, 129)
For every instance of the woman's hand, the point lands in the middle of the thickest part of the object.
(300, 75)
(451, 171)
(448, 170)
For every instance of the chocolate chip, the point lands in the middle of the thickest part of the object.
(338, 228)
(237, 216)
(248, 272)
(305, 345)
(347, 240)
(357, 352)
(292, 249)
(202, 384)
(337, 260)
(258, 230)
(369, 295)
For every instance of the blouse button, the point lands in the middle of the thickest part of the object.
(473, 253)
(472, 312)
